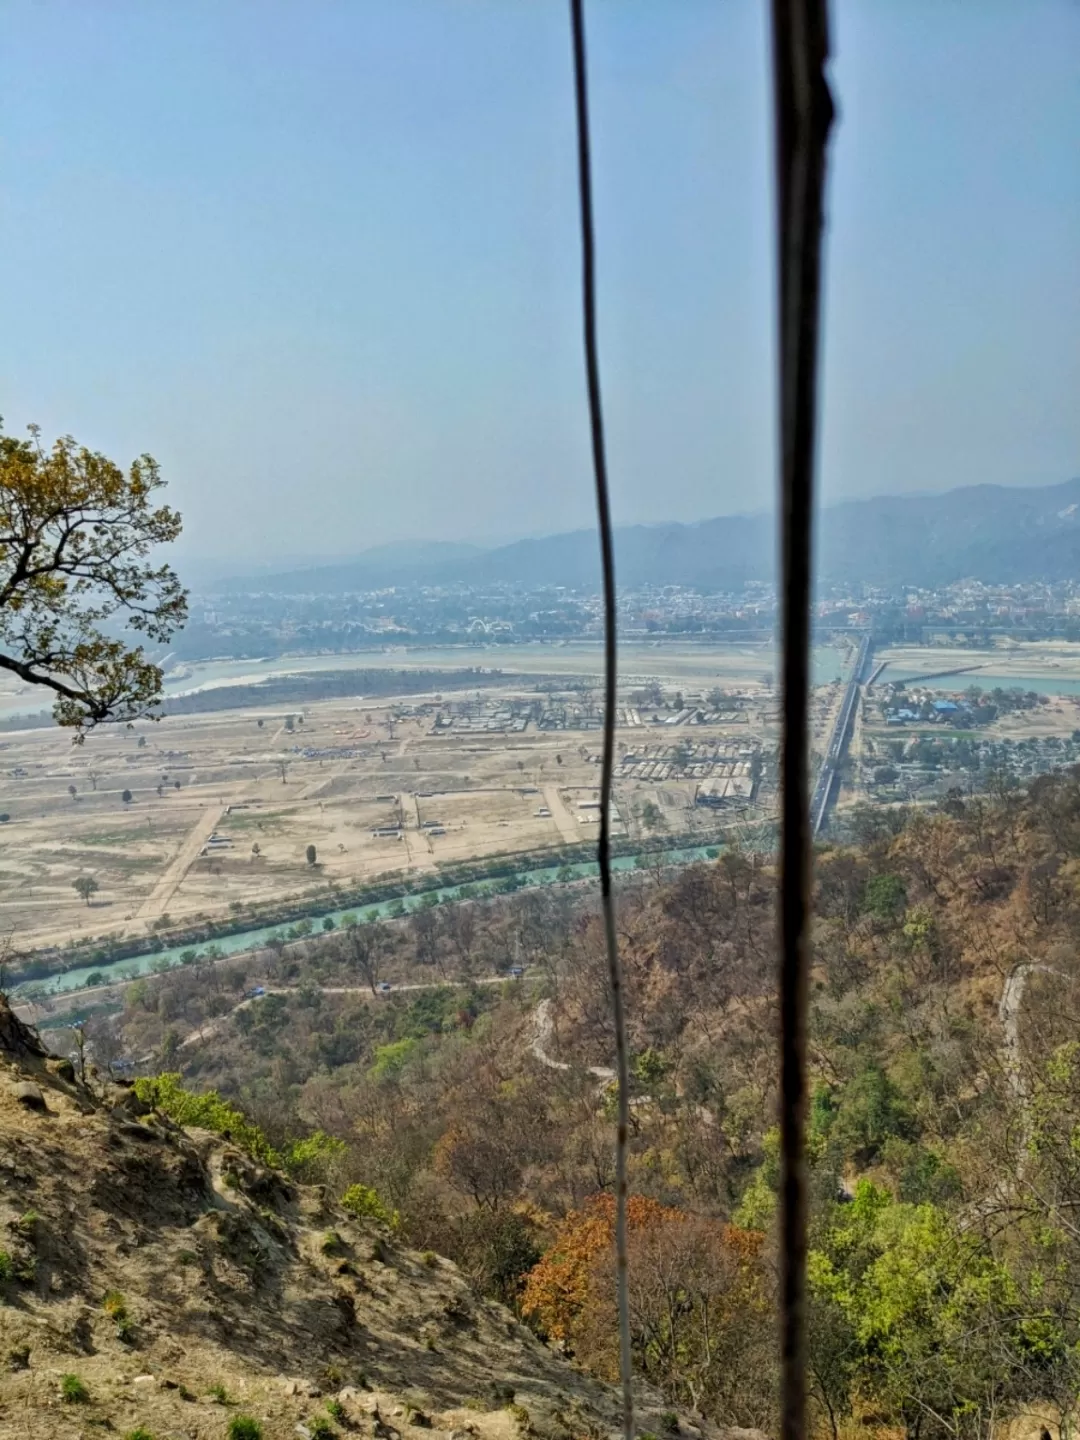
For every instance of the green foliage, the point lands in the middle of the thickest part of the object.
(244, 1427)
(364, 1203)
(930, 1310)
(312, 1158)
(307, 1158)
(391, 1060)
(206, 1112)
(219, 1394)
(27, 1223)
(139, 1433)
(321, 1428)
(870, 1110)
(885, 896)
(650, 1068)
(7, 1266)
(73, 1391)
(65, 595)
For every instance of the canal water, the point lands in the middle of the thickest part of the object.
(135, 965)
(1043, 684)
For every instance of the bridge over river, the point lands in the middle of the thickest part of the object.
(826, 786)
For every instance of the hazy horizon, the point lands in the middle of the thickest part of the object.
(323, 262)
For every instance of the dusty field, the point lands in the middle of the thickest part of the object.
(223, 807)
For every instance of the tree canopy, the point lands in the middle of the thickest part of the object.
(76, 533)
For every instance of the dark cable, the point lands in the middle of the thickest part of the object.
(803, 116)
(607, 556)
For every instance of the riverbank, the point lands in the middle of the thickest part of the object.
(126, 962)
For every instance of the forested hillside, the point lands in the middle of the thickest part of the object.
(945, 1125)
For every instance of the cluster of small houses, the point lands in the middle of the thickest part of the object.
(501, 719)
(509, 717)
(916, 708)
(725, 769)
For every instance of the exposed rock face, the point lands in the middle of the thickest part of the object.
(16, 1039)
(166, 1270)
(29, 1094)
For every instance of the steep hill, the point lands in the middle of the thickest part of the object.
(995, 533)
(177, 1284)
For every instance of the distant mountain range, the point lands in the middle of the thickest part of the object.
(995, 533)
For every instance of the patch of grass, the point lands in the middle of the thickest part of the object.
(335, 1410)
(520, 1415)
(27, 1224)
(7, 1266)
(19, 1357)
(321, 1429)
(139, 1433)
(115, 1306)
(670, 1421)
(187, 1257)
(219, 1395)
(331, 1243)
(430, 1259)
(73, 1391)
(244, 1427)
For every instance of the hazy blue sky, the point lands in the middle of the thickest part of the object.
(321, 257)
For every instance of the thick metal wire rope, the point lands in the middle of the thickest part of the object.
(803, 112)
(607, 557)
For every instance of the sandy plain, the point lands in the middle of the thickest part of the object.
(224, 805)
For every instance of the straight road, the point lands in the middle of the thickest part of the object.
(157, 902)
(567, 826)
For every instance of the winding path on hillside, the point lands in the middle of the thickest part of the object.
(543, 1032)
(211, 1028)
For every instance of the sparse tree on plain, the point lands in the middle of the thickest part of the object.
(312, 854)
(127, 797)
(72, 791)
(256, 850)
(77, 531)
(85, 886)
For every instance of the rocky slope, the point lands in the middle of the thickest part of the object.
(177, 1286)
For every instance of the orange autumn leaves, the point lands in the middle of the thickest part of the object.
(699, 1293)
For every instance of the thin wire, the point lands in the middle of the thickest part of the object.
(803, 117)
(607, 556)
